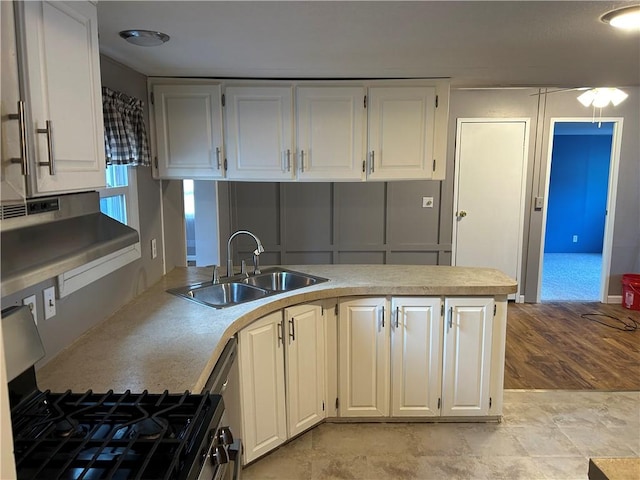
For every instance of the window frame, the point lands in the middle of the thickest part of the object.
(73, 280)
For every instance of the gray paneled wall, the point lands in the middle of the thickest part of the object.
(348, 223)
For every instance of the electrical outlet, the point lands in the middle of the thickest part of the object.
(154, 248)
(427, 202)
(49, 302)
(31, 303)
(539, 203)
(575, 239)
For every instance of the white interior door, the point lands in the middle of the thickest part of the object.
(489, 193)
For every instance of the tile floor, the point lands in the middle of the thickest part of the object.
(544, 435)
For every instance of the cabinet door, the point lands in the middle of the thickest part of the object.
(467, 356)
(364, 358)
(12, 187)
(416, 352)
(188, 126)
(330, 133)
(259, 133)
(262, 386)
(305, 367)
(61, 62)
(401, 133)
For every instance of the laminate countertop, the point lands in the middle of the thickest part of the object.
(159, 341)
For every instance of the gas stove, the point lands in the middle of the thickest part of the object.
(110, 436)
(114, 436)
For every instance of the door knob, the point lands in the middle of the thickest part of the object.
(461, 214)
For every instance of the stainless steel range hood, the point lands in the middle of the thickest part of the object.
(54, 235)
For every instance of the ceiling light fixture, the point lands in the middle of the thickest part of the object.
(144, 38)
(601, 97)
(627, 18)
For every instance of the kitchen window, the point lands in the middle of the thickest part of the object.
(119, 200)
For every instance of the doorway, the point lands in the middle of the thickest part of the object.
(578, 215)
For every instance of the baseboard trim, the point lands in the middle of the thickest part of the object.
(614, 299)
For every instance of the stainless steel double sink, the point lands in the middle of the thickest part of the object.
(241, 288)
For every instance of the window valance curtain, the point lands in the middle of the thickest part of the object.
(125, 135)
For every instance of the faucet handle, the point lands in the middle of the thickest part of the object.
(216, 274)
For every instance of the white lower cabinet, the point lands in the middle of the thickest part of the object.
(305, 373)
(416, 362)
(262, 391)
(281, 354)
(401, 357)
(467, 356)
(363, 346)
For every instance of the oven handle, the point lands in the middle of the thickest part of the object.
(235, 456)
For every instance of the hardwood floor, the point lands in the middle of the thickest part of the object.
(552, 346)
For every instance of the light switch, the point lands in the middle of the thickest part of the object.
(49, 302)
(427, 202)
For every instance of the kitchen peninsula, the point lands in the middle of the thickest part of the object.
(159, 341)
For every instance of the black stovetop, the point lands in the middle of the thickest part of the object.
(113, 436)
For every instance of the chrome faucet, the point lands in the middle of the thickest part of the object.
(259, 249)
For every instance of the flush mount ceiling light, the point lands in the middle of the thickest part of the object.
(627, 18)
(601, 97)
(144, 38)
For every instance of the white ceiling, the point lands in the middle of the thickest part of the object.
(481, 43)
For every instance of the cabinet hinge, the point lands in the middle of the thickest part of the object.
(436, 101)
(365, 101)
(434, 164)
(438, 404)
(223, 99)
(495, 309)
(337, 403)
(155, 161)
(364, 167)
(153, 99)
(490, 401)
(225, 164)
(336, 310)
(442, 309)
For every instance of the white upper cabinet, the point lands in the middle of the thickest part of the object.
(330, 133)
(401, 133)
(188, 131)
(60, 62)
(259, 132)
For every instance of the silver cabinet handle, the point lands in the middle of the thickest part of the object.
(397, 317)
(280, 330)
(218, 158)
(302, 161)
(373, 161)
(450, 318)
(24, 151)
(49, 132)
(288, 160)
(382, 311)
(292, 333)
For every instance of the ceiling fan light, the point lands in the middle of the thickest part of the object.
(144, 38)
(627, 18)
(587, 98)
(617, 96)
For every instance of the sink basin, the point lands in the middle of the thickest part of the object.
(281, 280)
(221, 294)
(240, 288)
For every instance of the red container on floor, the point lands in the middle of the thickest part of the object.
(631, 291)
